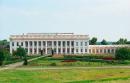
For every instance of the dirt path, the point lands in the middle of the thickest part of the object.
(14, 65)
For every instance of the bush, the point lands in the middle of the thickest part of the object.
(88, 57)
(53, 64)
(25, 62)
(122, 53)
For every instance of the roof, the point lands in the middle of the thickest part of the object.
(49, 36)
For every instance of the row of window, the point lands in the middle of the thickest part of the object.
(49, 43)
(50, 50)
(81, 43)
(101, 50)
(81, 50)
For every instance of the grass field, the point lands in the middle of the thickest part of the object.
(68, 76)
(26, 74)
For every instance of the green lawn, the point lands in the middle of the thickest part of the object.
(68, 75)
(25, 74)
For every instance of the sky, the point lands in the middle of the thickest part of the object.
(104, 19)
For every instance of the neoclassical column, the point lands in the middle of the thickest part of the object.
(32, 47)
(28, 47)
(79, 47)
(87, 46)
(74, 47)
(61, 47)
(10, 47)
(83, 47)
(70, 47)
(41, 45)
(90, 50)
(103, 50)
(46, 47)
(110, 50)
(15, 45)
(37, 47)
(52, 45)
(56, 47)
(24, 44)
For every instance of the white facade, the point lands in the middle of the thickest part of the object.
(104, 49)
(60, 43)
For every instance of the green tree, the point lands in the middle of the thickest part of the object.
(104, 42)
(2, 56)
(122, 53)
(121, 41)
(21, 52)
(93, 41)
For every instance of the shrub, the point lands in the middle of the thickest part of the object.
(53, 64)
(25, 62)
(122, 53)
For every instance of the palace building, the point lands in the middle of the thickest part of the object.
(59, 43)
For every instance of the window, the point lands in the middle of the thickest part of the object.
(44, 43)
(100, 50)
(112, 50)
(59, 50)
(85, 43)
(26, 43)
(12, 43)
(89, 50)
(85, 50)
(54, 43)
(63, 43)
(17, 43)
(35, 43)
(68, 43)
(81, 43)
(81, 50)
(104, 50)
(59, 43)
(39, 43)
(30, 43)
(97, 51)
(72, 43)
(76, 50)
(108, 50)
(76, 43)
(21, 43)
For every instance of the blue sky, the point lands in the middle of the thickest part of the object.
(104, 19)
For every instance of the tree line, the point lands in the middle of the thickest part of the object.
(121, 41)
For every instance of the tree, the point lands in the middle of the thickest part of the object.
(93, 41)
(2, 56)
(122, 53)
(122, 41)
(4, 43)
(21, 52)
(104, 42)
